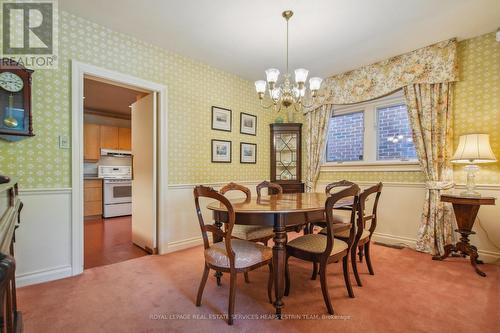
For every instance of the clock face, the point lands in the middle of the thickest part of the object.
(11, 82)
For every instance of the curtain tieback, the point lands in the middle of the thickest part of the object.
(437, 185)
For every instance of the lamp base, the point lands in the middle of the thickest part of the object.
(470, 191)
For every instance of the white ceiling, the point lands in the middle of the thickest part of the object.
(326, 36)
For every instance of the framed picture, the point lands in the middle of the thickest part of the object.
(248, 153)
(221, 151)
(221, 119)
(248, 124)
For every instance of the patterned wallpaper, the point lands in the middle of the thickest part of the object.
(477, 100)
(193, 88)
(476, 110)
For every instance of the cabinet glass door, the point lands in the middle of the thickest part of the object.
(286, 156)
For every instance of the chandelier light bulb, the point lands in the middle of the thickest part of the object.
(315, 83)
(260, 86)
(272, 75)
(301, 75)
(400, 137)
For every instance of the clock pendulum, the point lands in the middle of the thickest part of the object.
(10, 121)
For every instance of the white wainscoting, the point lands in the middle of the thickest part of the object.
(183, 228)
(43, 240)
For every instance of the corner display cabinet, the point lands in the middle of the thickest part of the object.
(286, 156)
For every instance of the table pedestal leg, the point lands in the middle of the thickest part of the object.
(216, 239)
(279, 257)
(465, 248)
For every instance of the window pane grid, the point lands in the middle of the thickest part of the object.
(345, 137)
(394, 135)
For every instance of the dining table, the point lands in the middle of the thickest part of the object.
(278, 211)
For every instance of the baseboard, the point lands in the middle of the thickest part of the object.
(394, 240)
(486, 256)
(183, 244)
(43, 276)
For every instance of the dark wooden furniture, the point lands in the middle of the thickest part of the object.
(323, 250)
(228, 255)
(278, 211)
(10, 210)
(286, 156)
(246, 232)
(362, 234)
(19, 97)
(465, 209)
(272, 188)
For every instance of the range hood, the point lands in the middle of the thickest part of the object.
(116, 153)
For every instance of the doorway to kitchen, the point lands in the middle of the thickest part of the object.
(116, 132)
(108, 167)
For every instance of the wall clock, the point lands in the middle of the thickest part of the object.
(15, 101)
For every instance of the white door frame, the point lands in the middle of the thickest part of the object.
(79, 70)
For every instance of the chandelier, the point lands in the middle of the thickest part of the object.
(286, 94)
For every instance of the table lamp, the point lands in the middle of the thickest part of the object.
(473, 149)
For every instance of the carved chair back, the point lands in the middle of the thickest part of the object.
(236, 187)
(350, 192)
(272, 188)
(362, 217)
(208, 192)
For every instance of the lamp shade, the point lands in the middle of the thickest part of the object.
(474, 148)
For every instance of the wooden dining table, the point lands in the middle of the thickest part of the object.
(278, 211)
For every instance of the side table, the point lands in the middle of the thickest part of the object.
(465, 209)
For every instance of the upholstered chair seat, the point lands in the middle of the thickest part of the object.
(252, 232)
(345, 233)
(316, 243)
(246, 254)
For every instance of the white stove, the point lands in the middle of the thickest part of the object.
(117, 190)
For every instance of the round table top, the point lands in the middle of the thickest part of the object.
(279, 203)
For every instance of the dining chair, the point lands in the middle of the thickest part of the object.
(229, 255)
(254, 233)
(272, 188)
(363, 235)
(317, 248)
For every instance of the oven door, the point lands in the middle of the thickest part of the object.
(117, 191)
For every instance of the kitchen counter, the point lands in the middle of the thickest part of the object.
(90, 177)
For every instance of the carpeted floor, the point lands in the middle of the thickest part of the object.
(409, 293)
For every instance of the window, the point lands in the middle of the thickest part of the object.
(376, 133)
(394, 140)
(345, 138)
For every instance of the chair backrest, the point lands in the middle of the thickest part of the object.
(341, 183)
(350, 192)
(208, 192)
(362, 217)
(236, 187)
(272, 188)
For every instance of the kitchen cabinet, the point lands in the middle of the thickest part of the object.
(124, 138)
(91, 140)
(92, 193)
(109, 137)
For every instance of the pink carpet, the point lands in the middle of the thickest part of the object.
(409, 293)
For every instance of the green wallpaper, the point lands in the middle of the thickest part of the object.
(193, 88)
(476, 110)
(477, 100)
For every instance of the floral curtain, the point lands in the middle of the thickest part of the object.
(316, 129)
(432, 64)
(430, 113)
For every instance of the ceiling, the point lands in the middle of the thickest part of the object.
(105, 98)
(326, 36)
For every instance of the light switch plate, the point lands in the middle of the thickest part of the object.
(63, 142)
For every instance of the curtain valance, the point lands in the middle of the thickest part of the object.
(436, 63)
